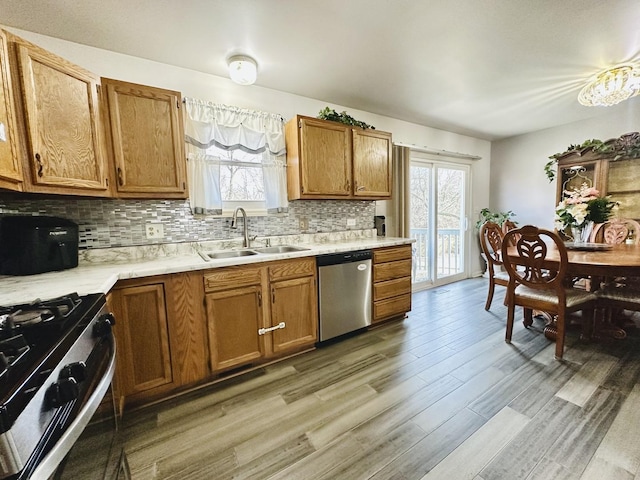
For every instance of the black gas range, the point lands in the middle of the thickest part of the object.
(57, 360)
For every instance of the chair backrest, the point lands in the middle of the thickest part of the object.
(509, 225)
(491, 243)
(525, 262)
(615, 231)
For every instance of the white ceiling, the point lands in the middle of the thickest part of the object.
(486, 68)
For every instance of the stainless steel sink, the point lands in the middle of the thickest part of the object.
(208, 256)
(230, 254)
(280, 249)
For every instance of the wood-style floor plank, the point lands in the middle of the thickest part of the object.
(439, 395)
(468, 459)
(618, 455)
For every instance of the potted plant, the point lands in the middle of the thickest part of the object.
(487, 215)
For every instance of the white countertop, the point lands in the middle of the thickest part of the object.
(93, 276)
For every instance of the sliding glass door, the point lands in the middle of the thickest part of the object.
(438, 221)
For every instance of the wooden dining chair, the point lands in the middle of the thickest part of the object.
(534, 286)
(616, 231)
(509, 225)
(491, 243)
(620, 293)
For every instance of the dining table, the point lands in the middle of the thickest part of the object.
(594, 262)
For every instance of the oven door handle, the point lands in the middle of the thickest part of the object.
(50, 462)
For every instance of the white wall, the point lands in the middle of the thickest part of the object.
(221, 90)
(518, 181)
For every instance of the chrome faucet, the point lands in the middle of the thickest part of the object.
(234, 224)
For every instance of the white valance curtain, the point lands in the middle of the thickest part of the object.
(232, 128)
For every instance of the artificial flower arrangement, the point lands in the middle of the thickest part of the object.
(581, 209)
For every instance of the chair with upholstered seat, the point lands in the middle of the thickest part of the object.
(491, 243)
(536, 287)
(620, 293)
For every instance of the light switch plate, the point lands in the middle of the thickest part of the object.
(155, 230)
(351, 222)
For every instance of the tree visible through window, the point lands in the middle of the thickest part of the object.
(240, 175)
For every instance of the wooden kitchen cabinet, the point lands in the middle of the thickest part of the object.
(146, 140)
(371, 163)
(391, 282)
(10, 168)
(142, 335)
(234, 315)
(161, 335)
(57, 106)
(329, 160)
(294, 304)
(259, 312)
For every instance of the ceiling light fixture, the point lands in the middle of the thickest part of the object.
(242, 69)
(611, 86)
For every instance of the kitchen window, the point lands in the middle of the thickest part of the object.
(236, 157)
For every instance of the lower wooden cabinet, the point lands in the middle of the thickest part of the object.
(160, 338)
(169, 339)
(391, 282)
(234, 317)
(256, 313)
(294, 304)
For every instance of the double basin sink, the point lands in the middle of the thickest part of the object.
(252, 251)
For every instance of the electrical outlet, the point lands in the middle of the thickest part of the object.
(155, 231)
(351, 222)
(304, 223)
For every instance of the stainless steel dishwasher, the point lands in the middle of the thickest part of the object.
(344, 291)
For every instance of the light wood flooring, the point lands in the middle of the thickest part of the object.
(437, 396)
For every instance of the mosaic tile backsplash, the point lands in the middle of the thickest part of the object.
(105, 223)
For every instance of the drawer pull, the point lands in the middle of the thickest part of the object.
(263, 331)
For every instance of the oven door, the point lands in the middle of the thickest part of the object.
(99, 452)
(70, 421)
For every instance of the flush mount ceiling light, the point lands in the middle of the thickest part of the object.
(611, 86)
(242, 69)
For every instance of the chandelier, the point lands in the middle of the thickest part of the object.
(611, 86)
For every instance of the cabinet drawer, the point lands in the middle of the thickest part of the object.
(391, 254)
(292, 269)
(232, 277)
(391, 307)
(391, 288)
(391, 270)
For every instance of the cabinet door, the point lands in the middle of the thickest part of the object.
(62, 120)
(143, 358)
(147, 140)
(371, 164)
(294, 304)
(10, 170)
(325, 163)
(234, 317)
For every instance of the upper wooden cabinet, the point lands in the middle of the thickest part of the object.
(58, 110)
(371, 163)
(329, 160)
(618, 178)
(146, 140)
(10, 168)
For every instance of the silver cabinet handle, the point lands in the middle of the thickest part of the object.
(262, 331)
